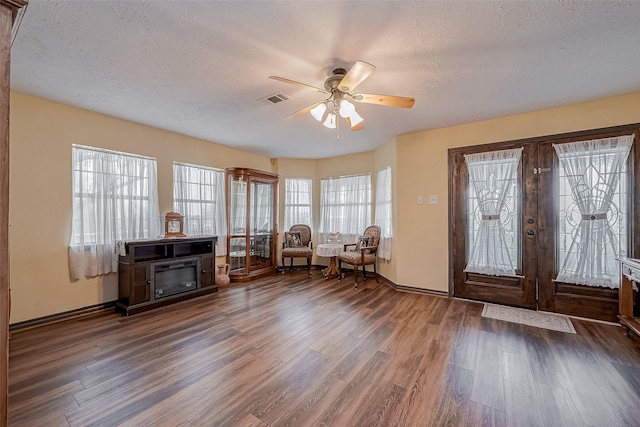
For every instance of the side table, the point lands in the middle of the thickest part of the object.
(330, 250)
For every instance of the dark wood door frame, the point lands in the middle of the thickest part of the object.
(10, 15)
(567, 298)
(520, 290)
(559, 297)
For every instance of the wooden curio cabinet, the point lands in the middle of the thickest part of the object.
(251, 223)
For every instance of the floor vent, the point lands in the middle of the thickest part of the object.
(274, 98)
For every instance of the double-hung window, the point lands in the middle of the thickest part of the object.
(115, 197)
(345, 207)
(198, 194)
(297, 202)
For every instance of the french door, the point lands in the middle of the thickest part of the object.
(534, 222)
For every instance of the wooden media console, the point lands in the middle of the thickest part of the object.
(157, 272)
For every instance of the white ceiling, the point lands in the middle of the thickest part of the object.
(198, 68)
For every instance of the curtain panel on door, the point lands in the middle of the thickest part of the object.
(593, 170)
(492, 180)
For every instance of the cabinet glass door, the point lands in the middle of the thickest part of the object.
(238, 224)
(261, 227)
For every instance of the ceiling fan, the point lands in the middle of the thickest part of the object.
(339, 86)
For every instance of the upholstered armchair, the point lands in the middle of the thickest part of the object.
(362, 253)
(297, 244)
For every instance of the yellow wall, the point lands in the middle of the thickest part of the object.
(421, 239)
(40, 183)
(40, 195)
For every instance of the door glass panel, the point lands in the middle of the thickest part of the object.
(493, 234)
(570, 216)
(592, 200)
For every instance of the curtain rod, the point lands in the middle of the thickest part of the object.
(198, 166)
(347, 176)
(104, 150)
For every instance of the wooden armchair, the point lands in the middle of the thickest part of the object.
(297, 246)
(361, 254)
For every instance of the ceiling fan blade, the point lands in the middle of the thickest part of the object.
(293, 82)
(303, 111)
(359, 126)
(388, 100)
(356, 75)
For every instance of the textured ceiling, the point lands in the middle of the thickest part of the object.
(198, 68)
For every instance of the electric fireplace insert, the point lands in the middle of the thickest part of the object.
(175, 277)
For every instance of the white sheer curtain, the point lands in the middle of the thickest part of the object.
(492, 176)
(345, 206)
(593, 169)
(199, 195)
(115, 197)
(297, 202)
(383, 216)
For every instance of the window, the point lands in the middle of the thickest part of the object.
(297, 202)
(198, 194)
(383, 212)
(115, 197)
(345, 206)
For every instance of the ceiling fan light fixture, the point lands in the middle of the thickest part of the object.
(318, 111)
(339, 86)
(331, 121)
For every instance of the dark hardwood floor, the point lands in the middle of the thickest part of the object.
(294, 351)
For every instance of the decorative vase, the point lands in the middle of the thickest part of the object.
(222, 277)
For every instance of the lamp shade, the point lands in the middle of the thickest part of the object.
(355, 118)
(331, 121)
(318, 111)
(346, 108)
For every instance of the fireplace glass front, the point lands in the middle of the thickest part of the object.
(175, 277)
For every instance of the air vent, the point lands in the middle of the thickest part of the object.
(274, 98)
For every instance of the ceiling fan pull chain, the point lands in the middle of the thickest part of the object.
(337, 128)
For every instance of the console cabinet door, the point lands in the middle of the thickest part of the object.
(140, 284)
(208, 274)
